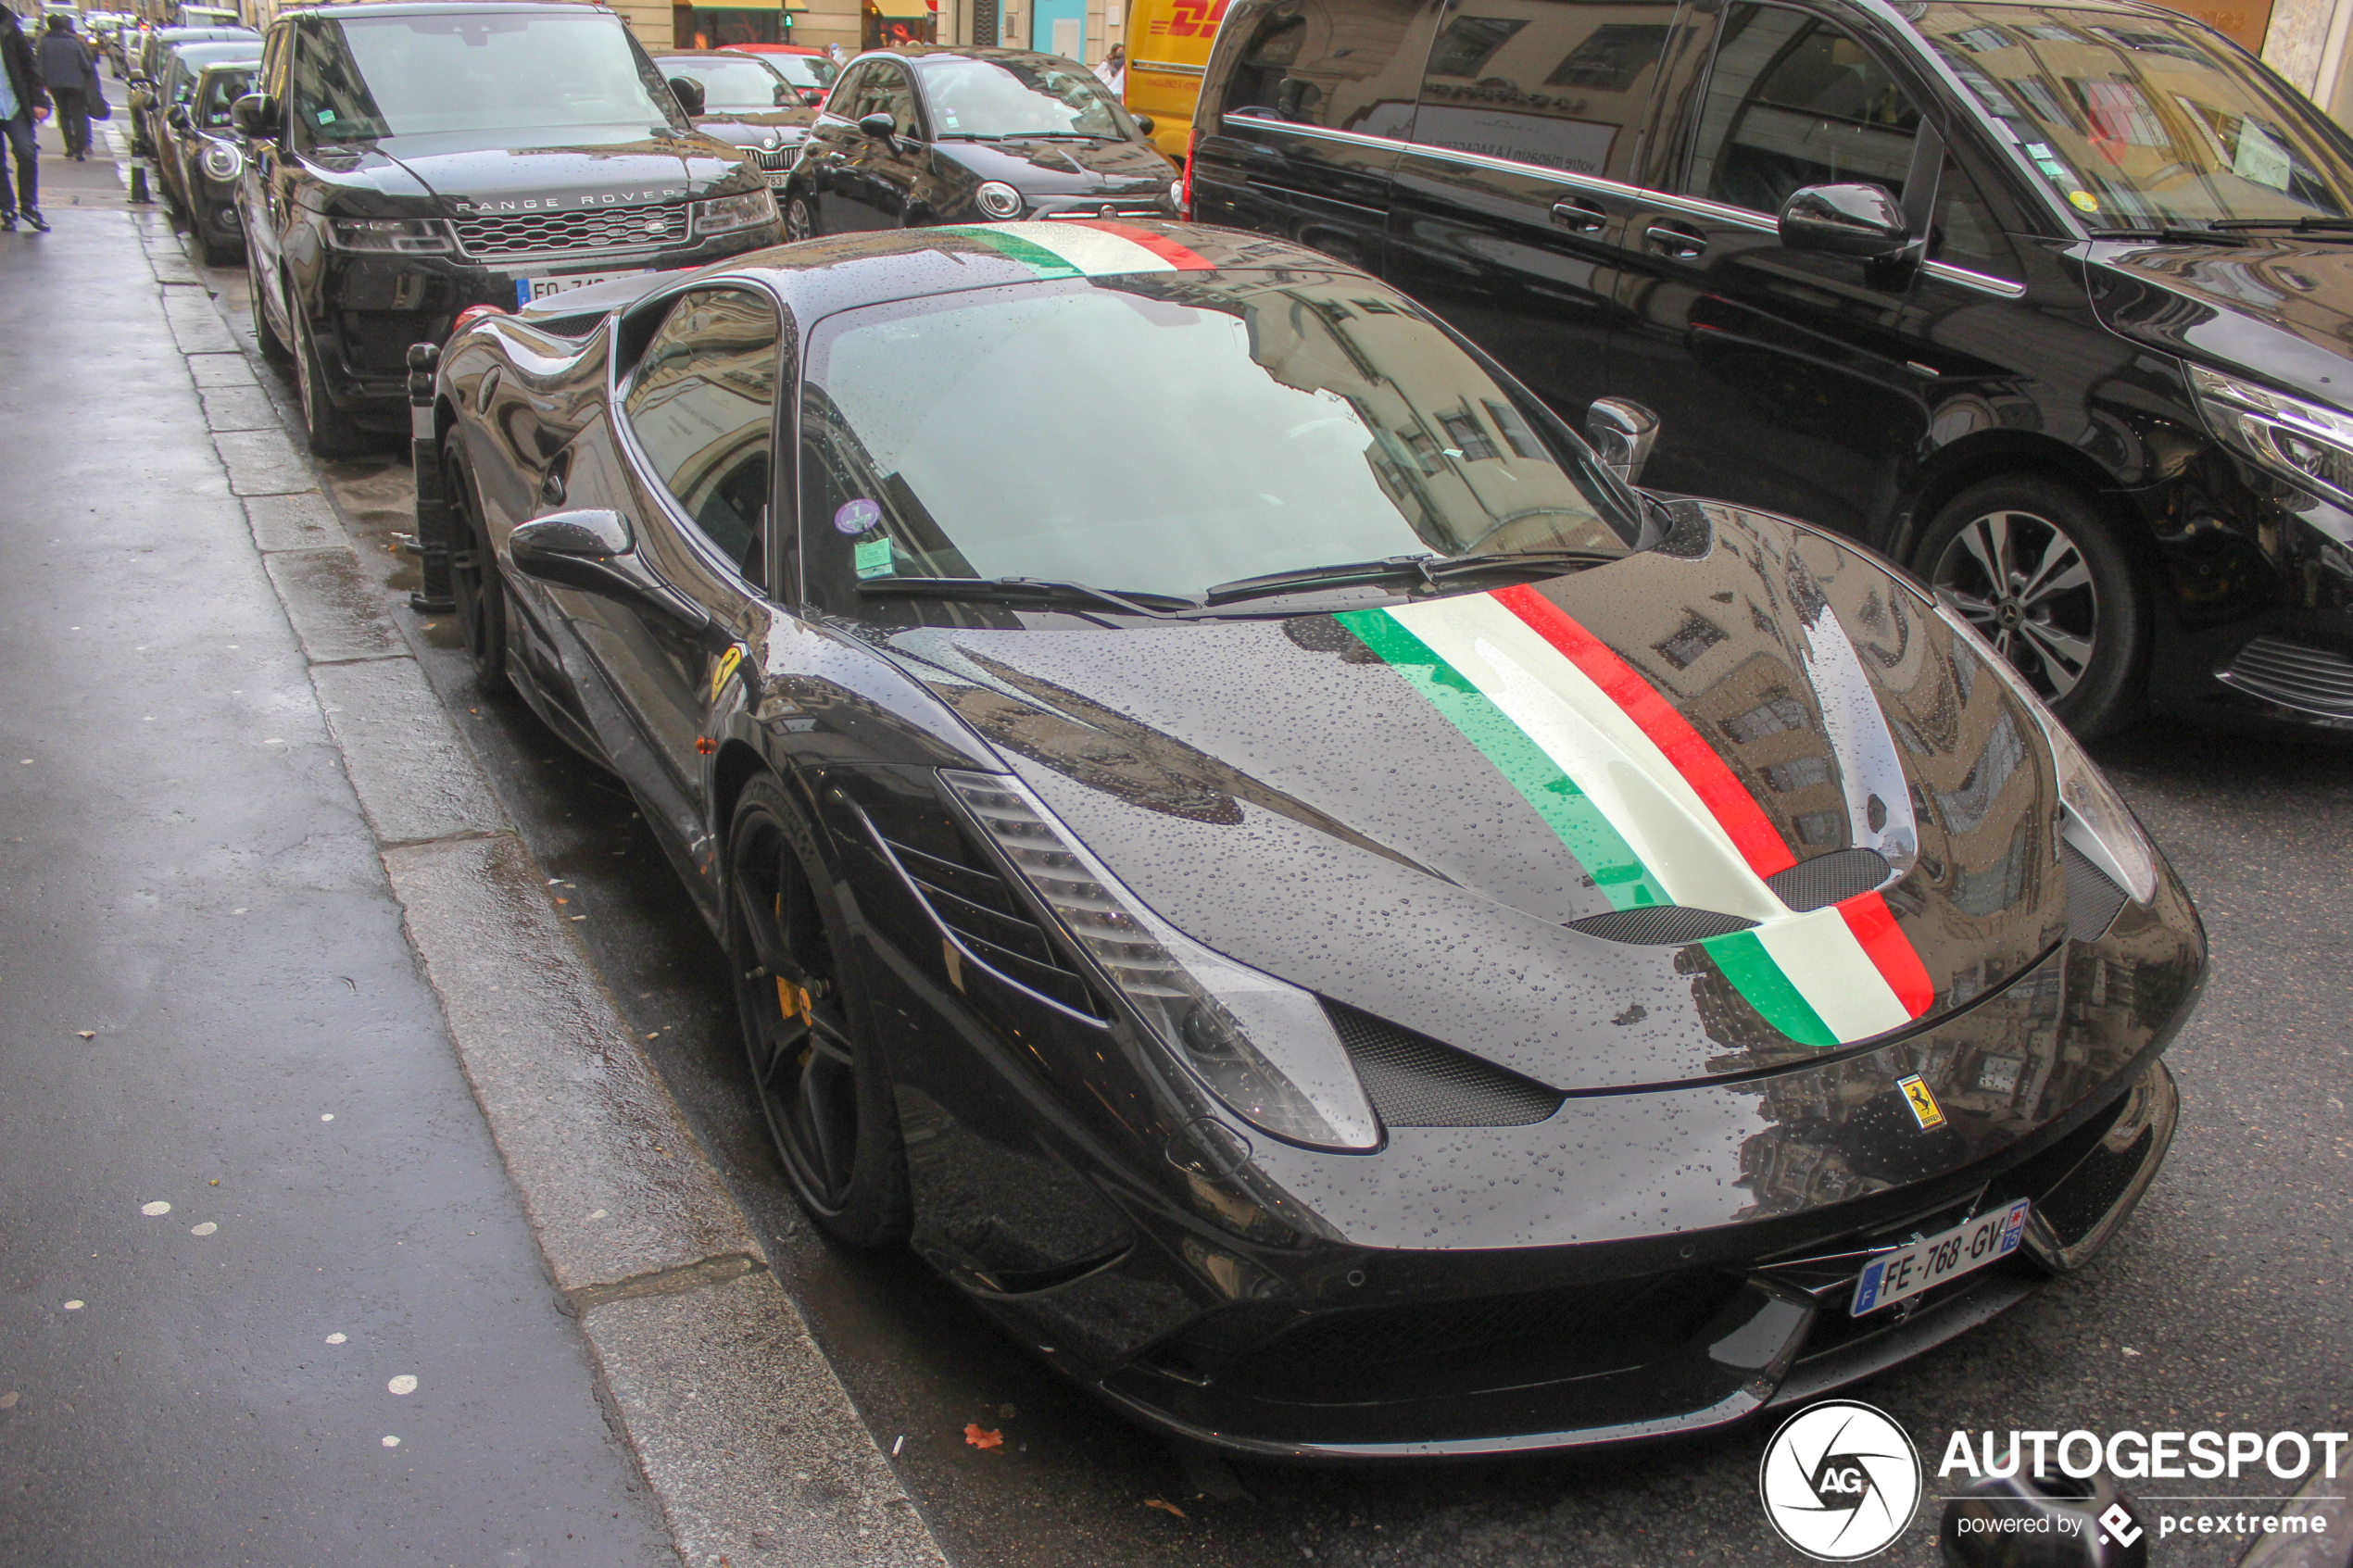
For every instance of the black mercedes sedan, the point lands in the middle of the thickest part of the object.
(201, 160)
(1340, 922)
(964, 135)
(406, 160)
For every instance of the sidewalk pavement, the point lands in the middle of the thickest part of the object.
(276, 1291)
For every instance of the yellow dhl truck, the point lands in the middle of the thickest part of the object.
(1167, 47)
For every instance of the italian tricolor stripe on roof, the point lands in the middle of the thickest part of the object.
(1646, 804)
(1094, 248)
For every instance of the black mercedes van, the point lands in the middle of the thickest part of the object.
(2051, 302)
(404, 161)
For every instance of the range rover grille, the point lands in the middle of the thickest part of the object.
(1418, 1083)
(518, 234)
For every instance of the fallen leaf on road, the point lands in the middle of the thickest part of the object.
(1164, 1507)
(979, 1438)
(87, 1033)
(563, 900)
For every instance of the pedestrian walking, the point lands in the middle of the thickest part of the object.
(24, 103)
(1113, 72)
(71, 73)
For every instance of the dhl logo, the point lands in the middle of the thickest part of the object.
(1195, 19)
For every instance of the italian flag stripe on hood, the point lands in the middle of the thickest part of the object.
(1646, 804)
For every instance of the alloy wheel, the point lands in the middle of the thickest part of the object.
(796, 1035)
(2024, 585)
(799, 223)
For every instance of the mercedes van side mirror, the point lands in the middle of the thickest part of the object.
(256, 115)
(1143, 124)
(1857, 220)
(689, 93)
(1621, 434)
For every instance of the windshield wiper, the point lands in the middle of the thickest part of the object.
(1157, 607)
(1429, 570)
(969, 136)
(2301, 225)
(2171, 233)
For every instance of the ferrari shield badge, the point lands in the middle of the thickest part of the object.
(1925, 1110)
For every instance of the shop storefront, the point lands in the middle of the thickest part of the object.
(893, 23)
(700, 26)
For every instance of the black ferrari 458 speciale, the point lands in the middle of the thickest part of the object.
(1336, 918)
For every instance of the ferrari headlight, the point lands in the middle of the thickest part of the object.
(1263, 1047)
(223, 162)
(2306, 443)
(409, 236)
(998, 199)
(2097, 822)
(724, 214)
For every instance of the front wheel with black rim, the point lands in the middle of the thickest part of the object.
(331, 431)
(822, 1091)
(800, 220)
(2033, 567)
(474, 583)
(273, 348)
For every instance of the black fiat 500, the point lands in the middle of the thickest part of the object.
(202, 160)
(404, 161)
(917, 136)
(2051, 302)
(1342, 923)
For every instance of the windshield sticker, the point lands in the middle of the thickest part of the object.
(1561, 716)
(856, 517)
(2261, 158)
(2084, 201)
(326, 116)
(872, 557)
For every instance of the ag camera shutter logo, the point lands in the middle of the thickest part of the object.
(1839, 1481)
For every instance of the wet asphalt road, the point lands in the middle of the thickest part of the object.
(267, 1295)
(2224, 1303)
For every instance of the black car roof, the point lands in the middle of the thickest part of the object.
(820, 277)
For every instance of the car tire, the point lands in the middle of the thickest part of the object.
(475, 582)
(330, 430)
(217, 253)
(800, 219)
(2031, 564)
(273, 348)
(821, 1087)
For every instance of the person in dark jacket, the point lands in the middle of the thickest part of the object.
(71, 73)
(23, 101)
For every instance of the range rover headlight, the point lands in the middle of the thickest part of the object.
(414, 236)
(998, 200)
(725, 215)
(2304, 442)
(1265, 1047)
(2098, 822)
(223, 162)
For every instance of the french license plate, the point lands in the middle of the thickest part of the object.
(528, 289)
(778, 178)
(1965, 1249)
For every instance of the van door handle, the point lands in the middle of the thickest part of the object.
(1677, 239)
(1577, 213)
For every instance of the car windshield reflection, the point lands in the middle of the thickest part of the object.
(999, 98)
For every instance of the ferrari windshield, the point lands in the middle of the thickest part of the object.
(1163, 437)
(742, 82)
(2139, 120)
(359, 79)
(1000, 98)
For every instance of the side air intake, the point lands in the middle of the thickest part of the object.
(1828, 879)
(973, 904)
(1660, 925)
(1416, 1082)
(2092, 899)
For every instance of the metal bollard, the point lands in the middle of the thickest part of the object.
(139, 196)
(433, 543)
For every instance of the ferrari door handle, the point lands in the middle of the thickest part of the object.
(1676, 239)
(1582, 215)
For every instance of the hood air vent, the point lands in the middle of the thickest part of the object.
(1828, 879)
(1660, 925)
(1418, 1083)
(2092, 899)
(973, 906)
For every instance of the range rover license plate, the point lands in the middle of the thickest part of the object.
(528, 289)
(1965, 1249)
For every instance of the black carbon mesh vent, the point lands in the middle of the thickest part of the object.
(2092, 899)
(1418, 1083)
(1828, 879)
(1660, 925)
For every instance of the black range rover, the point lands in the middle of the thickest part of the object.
(408, 161)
